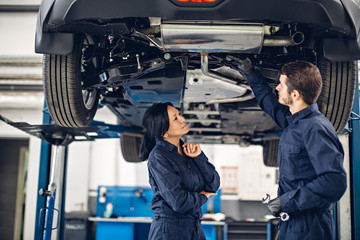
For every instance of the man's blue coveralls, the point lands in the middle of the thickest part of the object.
(310, 159)
(176, 181)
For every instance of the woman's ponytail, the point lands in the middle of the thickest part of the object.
(147, 144)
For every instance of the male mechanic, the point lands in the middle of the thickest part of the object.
(310, 156)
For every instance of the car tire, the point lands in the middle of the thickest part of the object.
(270, 152)
(69, 104)
(130, 147)
(337, 95)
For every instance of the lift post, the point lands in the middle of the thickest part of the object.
(58, 158)
(50, 164)
(44, 166)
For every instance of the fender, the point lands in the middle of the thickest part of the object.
(353, 10)
(345, 49)
(51, 43)
(341, 49)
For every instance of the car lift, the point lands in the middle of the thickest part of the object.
(58, 138)
(55, 140)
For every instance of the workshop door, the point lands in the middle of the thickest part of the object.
(13, 169)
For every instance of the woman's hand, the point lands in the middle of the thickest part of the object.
(208, 194)
(192, 149)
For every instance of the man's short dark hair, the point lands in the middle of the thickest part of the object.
(304, 77)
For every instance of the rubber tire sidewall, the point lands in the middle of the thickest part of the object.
(130, 147)
(338, 91)
(62, 87)
(270, 152)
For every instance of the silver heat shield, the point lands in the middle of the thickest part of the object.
(212, 37)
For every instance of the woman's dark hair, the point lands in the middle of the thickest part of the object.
(156, 124)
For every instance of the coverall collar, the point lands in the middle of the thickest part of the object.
(303, 113)
(167, 145)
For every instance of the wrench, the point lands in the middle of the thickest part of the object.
(283, 215)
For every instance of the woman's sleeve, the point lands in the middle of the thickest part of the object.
(170, 186)
(209, 173)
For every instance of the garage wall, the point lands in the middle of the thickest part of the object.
(31, 115)
(17, 35)
(12, 177)
(20, 2)
(242, 168)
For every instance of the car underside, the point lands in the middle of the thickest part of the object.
(132, 62)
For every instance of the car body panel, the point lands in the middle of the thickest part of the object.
(66, 15)
(327, 13)
(353, 9)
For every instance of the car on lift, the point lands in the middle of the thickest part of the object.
(127, 55)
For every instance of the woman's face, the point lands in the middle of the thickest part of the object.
(177, 124)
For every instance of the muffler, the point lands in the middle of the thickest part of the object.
(221, 37)
(214, 37)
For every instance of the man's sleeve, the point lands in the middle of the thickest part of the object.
(209, 173)
(267, 100)
(169, 184)
(326, 155)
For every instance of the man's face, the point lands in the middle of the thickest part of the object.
(285, 97)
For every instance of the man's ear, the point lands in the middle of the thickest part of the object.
(295, 94)
(165, 135)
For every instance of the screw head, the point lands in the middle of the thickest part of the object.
(167, 56)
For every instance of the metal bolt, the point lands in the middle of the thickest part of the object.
(138, 61)
(167, 56)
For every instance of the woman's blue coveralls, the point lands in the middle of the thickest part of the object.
(176, 181)
(310, 160)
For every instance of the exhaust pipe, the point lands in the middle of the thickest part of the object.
(282, 41)
(206, 71)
